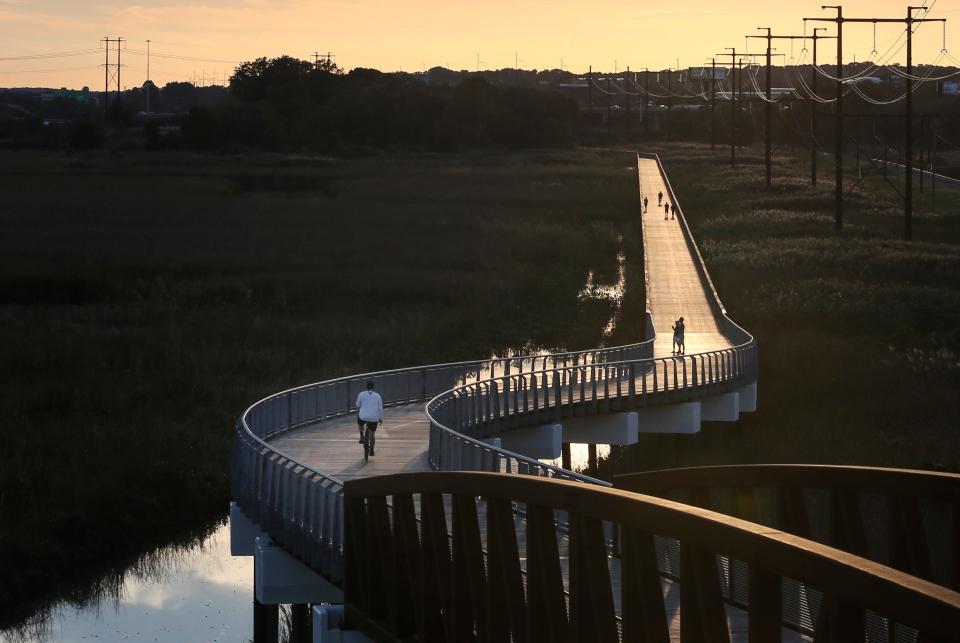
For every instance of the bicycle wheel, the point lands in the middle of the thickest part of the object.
(366, 445)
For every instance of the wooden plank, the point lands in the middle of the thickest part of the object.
(407, 566)
(766, 606)
(702, 615)
(592, 614)
(546, 605)
(504, 581)
(644, 614)
(470, 611)
(436, 579)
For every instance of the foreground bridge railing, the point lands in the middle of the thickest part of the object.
(502, 580)
(902, 518)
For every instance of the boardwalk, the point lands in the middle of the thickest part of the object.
(674, 289)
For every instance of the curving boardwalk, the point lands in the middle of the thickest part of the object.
(674, 289)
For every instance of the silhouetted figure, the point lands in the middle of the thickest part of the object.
(678, 333)
(645, 201)
(673, 211)
(666, 211)
(369, 414)
(659, 197)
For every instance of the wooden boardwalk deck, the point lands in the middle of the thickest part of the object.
(674, 287)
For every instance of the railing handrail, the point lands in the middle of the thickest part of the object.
(893, 481)
(379, 374)
(898, 595)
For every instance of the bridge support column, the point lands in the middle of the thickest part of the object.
(243, 532)
(720, 408)
(613, 428)
(266, 622)
(672, 418)
(279, 578)
(592, 457)
(565, 460)
(539, 442)
(300, 625)
(748, 398)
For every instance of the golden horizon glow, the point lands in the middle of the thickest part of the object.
(413, 36)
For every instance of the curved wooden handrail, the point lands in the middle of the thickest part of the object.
(889, 481)
(894, 528)
(856, 582)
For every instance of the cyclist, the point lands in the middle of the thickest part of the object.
(369, 414)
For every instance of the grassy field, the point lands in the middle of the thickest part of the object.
(858, 330)
(146, 300)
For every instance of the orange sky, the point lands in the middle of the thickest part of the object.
(415, 34)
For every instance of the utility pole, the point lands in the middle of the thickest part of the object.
(733, 107)
(669, 105)
(609, 93)
(590, 92)
(813, 108)
(626, 97)
(909, 21)
(106, 80)
(646, 101)
(713, 104)
(106, 74)
(769, 102)
(148, 77)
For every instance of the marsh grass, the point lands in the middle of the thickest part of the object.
(145, 301)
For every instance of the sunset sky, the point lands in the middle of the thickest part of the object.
(417, 34)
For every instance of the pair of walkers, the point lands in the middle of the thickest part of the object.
(679, 330)
(668, 208)
(369, 415)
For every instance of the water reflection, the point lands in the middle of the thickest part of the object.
(173, 595)
(607, 292)
(580, 456)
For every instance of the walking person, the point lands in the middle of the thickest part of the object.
(673, 211)
(659, 197)
(369, 414)
(645, 200)
(666, 210)
(678, 337)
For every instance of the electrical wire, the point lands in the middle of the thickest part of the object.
(58, 54)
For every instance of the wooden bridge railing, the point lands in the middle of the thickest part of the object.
(485, 576)
(906, 519)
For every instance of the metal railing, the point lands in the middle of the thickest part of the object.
(301, 507)
(461, 417)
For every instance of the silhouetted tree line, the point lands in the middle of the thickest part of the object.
(289, 104)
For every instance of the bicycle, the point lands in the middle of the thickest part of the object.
(368, 443)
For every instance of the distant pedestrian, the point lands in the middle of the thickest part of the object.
(673, 211)
(666, 211)
(659, 197)
(678, 337)
(645, 200)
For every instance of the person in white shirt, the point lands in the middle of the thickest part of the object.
(369, 413)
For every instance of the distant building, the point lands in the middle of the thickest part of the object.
(78, 95)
